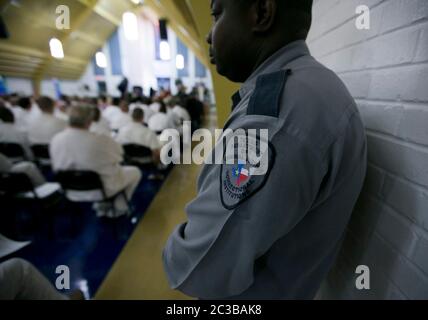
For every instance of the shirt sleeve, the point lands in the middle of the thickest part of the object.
(213, 254)
(114, 150)
(154, 141)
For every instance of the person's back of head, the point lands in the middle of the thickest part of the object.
(66, 99)
(46, 104)
(116, 101)
(80, 116)
(147, 101)
(124, 106)
(172, 102)
(24, 103)
(162, 108)
(6, 115)
(102, 99)
(138, 115)
(96, 114)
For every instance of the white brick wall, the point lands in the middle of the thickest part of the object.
(386, 70)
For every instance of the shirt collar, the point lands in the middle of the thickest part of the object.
(236, 99)
(277, 61)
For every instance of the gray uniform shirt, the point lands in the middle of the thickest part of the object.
(276, 236)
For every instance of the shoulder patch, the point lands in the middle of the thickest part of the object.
(241, 179)
(265, 100)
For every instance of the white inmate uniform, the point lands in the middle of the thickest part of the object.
(120, 120)
(110, 113)
(20, 280)
(101, 127)
(181, 113)
(58, 113)
(159, 122)
(27, 168)
(155, 106)
(44, 127)
(78, 149)
(22, 117)
(9, 133)
(136, 133)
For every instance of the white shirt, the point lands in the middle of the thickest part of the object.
(173, 120)
(61, 114)
(136, 133)
(181, 113)
(22, 118)
(159, 122)
(8, 105)
(111, 112)
(101, 127)
(75, 149)
(148, 112)
(44, 127)
(34, 112)
(133, 106)
(120, 120)
(155, 106)
(9, 133)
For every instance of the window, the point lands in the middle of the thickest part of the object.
(157, 43)
(182, 50)
(164, 83)
(200, 70)
(97, 70)
(115, 55)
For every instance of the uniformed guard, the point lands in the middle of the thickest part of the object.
(276, 235)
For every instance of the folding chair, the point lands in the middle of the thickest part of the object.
(138, 155)
(14, 151)
(18, 188)
(41, 154)
(84, 182)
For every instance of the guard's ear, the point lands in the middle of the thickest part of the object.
(264, 14)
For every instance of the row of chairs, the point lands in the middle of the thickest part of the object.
(15, 152)
(19, 189)
(134, 154)
(18, 186)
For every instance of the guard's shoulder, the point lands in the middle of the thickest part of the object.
(266, 98)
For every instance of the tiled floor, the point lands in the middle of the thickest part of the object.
(86, 244)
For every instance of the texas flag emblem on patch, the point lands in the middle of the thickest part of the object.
(241, 174)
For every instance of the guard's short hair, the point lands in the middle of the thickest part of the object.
(6, 115)
(81, 116)
(138, 114)
(297, 16)
(46, 104)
